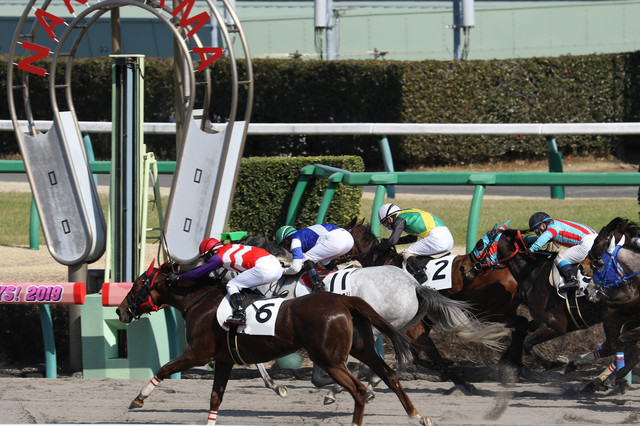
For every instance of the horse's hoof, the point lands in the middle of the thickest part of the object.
(470, 388)
(282, 391)
(570, 368)
(592, 387)
(369, 396)
(524, 372)
(620, 387)
(136, 403)
(426, 421)
(329, 399)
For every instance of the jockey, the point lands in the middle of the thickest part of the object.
(579, 238)
(255, 265)
(317, 243)
(435, 236)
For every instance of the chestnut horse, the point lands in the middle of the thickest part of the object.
(330, 327)
(491, 293)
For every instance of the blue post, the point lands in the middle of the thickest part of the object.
(620, 364)
(49, 342)
(388, 164)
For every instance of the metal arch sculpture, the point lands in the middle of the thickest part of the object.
(56, 161)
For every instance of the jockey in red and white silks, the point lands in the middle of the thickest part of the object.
(255, 265)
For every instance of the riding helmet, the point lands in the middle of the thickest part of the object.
(209, 246)
(387, 210)
(538, 218)
(284, 232)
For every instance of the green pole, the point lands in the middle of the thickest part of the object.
(49, 342)
(34, 227)
(388, 164)
(172, 333)
(378, 200)
(555, 166)
(334, 181)
(305, 175)
(474, 217)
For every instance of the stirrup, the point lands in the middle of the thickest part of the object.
(566, 287)
(237, 319)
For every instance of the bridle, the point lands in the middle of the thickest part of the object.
(141, 296)
(483, 261)
(608, 273)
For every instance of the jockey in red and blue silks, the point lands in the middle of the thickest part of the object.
(255, 265)
(317, 243)
(578, 237)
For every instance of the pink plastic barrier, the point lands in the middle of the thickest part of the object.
(42, 293)
(114, 293)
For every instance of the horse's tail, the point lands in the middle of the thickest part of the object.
(454, 316)
(401, 342)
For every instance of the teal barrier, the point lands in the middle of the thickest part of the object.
(382, 180)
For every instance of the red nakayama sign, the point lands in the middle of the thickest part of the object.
(49, 22)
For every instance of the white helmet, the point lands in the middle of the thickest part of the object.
(387, 210)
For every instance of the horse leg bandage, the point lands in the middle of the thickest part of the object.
(213, 415)
(146, 391)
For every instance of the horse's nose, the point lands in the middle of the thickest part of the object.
(118, 312)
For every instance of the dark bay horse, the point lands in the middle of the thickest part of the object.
(552, 314)
(330, 327)
(615, 268)
(491, 293)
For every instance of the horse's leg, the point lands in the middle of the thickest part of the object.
(220, 380)
(513, 355)
(358, 391)
(368, 355)
(318, 378)
(269, 383)
(542, 334)
(185, 360)
(420, 333)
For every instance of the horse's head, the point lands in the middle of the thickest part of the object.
(364, 244)
(485, 253)
(143, 296)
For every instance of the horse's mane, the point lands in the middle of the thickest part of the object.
(622, 225)
(263, 242)
(367, 233)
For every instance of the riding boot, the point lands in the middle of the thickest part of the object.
(415, 269)
(569, 277)
(238, 317)
(331, 266)
(316, 282)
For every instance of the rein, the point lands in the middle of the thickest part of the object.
(198, 299)
(605, 277)
(500, 262)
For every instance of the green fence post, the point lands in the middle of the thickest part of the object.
(334, 181)
(555, 166)
(388, 164)
(378, 200)
(49, 342)
(34, 227)
(474, 217)
(305, 175)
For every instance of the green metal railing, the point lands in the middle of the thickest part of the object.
(381, 181)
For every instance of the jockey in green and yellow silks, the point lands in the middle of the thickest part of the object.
(433, 236)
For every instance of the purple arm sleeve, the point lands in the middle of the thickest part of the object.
(202, 270)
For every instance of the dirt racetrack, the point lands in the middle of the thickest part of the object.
(545, 399)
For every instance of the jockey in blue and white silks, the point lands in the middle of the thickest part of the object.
(578, 237)
(315, 244)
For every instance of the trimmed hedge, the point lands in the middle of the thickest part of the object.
(265, 186)
(593, 88)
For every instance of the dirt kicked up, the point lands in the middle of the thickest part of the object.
(546, 398)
